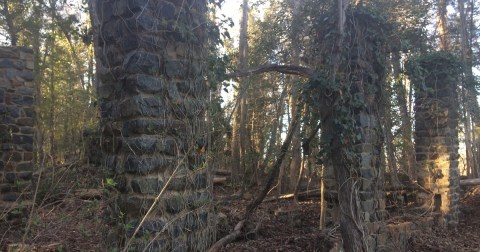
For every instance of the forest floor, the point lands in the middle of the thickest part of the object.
(70, 219)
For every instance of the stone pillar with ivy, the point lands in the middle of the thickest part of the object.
(152, 96)
(435, 77)
(351, 106)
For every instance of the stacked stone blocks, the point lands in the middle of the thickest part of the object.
(153, 99)
(16, 125)
(436, 138)
(365, 75)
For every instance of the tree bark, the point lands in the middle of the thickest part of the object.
(296, 152)
(442, 26)
(408, 150)
(239, 137)
(470, 103)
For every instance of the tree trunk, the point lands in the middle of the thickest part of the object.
(442, 26)
(390, 148)
(11, 29)
(470, 104)
(408, 150)
(38, 72)
(239, 138)
(296, 152)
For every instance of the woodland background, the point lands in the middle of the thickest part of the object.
(251, 115)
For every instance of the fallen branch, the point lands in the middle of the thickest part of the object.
(285, 69)
(229, 238)
(223, 172)
(310, 193)
(88, 194)
(237, 232)
(469, 182)
(219, 180)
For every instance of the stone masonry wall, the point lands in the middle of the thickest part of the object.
(436, 138)
(152, 95)
(16, 124)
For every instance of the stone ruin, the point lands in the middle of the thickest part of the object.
(436, 192)
(141, 120)
(436, 138)
(152, 96)
(17, 118)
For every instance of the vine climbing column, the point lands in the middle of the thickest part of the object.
(352, 134)
(152, 97)
(436, 134)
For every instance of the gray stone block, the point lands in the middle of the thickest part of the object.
(10, 197)
(22, 139)
(142, 106)
(147, 164)
(145, 83)
(147, 185)
(175, 204)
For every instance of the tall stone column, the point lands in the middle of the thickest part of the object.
(436, 133)
(152, 96)
(352, 134)
(16, 127)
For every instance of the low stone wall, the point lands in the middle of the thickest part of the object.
(16, 124)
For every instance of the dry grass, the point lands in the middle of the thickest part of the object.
(62, 220)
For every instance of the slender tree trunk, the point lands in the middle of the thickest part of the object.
(408, 149)
(52, 104)
(36, 44)
(390, 148)
(322, 200)
(235, 145)
(11, 29)
(442, 26)
(239, 141)
(276, 127)
(470, 104)
(296, 153)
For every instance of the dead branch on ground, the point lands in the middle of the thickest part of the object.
(237, 232)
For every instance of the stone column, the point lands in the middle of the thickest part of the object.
(16, 126)
(352, 134)
(152, 95)
(436, 134)
(365, 76)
